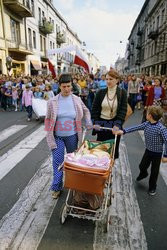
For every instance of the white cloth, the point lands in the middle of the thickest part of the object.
(39, 106)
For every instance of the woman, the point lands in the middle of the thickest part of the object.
(92, 88)
(109, 108)
(63, 124)
(133, 90)
(156, 93)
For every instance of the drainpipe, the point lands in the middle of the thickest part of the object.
(3, 28)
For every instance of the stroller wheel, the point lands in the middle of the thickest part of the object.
(63, 214)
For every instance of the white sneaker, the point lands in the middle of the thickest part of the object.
(28, 120)
(15, 109)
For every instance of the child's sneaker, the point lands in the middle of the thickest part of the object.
(152, 192)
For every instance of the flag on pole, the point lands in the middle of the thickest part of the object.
(51, 68)
(81, 61)
(79, 58)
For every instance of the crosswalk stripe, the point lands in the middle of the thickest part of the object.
(23, 226)
(10, 159)
(163, 166)
(6, 133)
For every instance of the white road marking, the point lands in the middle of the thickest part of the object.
(9, 160)
(126, 229)
(163, 166)
(24, 225)
(10, 131)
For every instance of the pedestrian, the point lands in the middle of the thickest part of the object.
(8, 94)
(48, 92)
(92, 89)
(38, 93)
(109, 108)
(156, 93)
(102, 83)
(63, 125)
(155, 138)
(133, 90)
(27, 101)
(14, 97)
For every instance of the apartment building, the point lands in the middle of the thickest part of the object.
(147, 48)
(28, 28)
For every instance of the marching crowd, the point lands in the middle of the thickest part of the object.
(17, 92)
(99, 99)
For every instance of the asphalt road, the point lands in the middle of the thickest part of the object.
(79, 234)
(152, 209)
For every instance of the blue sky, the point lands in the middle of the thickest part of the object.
(102, 24)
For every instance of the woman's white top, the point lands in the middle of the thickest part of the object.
(109, 104)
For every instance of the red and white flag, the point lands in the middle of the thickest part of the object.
(81, 61)
(52, 68)
(79, 58)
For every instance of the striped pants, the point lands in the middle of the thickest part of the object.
(70, 143)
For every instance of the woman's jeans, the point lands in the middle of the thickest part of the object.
(70, 144)
(133, 100)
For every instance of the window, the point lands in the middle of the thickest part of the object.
(44, 44)
(41, 43)
(53, 24)
(43, 17)
(15, 32)
(163, 16)
(28, 4)
(163, 41)
(157, 22)
(32, 7)
(34, 39)
(40, 17)
(29, 38)
(50, 44)
(53, 45)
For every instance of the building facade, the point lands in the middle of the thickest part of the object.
(28, 28)
(147, 48)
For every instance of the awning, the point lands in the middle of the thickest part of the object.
(44, 64)
(36, 65)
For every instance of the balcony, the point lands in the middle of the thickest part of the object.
(60, 38)
(153, 34)
(138, 46)
(137, 63)
(128, 48)
(46, 27)
(19, 7)
(19, 47)
(139, 32)
(132, 42)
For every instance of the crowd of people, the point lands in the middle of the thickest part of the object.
(102, 101)
(84, 85)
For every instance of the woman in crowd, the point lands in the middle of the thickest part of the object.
(109, 108)
(63, 127)
(133, 90)
(92, 88)
(156, 93)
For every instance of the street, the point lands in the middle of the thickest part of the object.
(29, 218)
